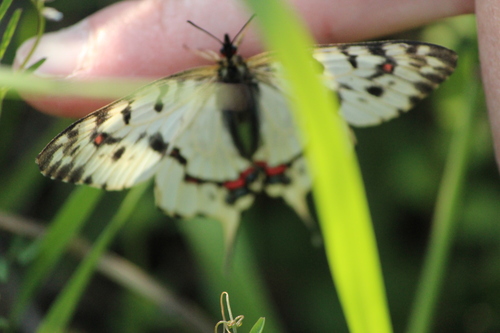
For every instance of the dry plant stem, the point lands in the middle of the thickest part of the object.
(121, 271)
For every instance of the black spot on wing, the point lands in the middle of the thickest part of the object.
(194, 180)
(434, 78)
(423, 87)
(159, 100)
(375, 91)
(447, 56)
(411, 49)
(444, 71)
(117, 154)
(101, 116)
(278, 179)
(176, 154)
(51, 171)
(68, 146)
(127, 114)
(353, 60)
(45, 157)
(64, 171)
(73, 152)
(345, 86)
(376, 49)
(158, 105)
(73, 133)
(76, 175)
(88, 180)
(157, 143)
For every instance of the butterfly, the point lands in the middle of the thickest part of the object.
(214, 137)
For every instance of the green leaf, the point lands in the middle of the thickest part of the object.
(338, 189)
(36, 65)
(4, 6)
(259, 326)
(9, 32)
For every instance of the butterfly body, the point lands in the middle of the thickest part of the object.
(213, 137)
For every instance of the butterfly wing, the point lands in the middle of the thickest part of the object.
(171, 129)
(280, 155)
(121, 144)
(376, 81)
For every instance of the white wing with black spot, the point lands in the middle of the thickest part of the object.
(122, 143)
(376, 81)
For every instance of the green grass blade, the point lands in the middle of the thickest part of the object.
(338, 189)
(62, 310)
(9, 32)
(448, 203)
(63, 228)
(4, 6)
(30, 84)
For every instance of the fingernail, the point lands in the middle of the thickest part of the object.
(64, 51)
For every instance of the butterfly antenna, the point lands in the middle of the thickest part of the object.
(205, 31)
(239, 36)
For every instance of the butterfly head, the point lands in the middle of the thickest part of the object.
(228, 48)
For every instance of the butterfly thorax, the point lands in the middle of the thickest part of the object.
(236, 98)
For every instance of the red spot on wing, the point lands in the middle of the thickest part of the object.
(272, 171)
(388, 68)
(99, 139)
(277, 170)
(261, 164)
(247, 172)
(242, 180)
(235, 184)
(247, 176)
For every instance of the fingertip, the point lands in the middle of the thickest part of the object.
(127, 39)
(63, 51)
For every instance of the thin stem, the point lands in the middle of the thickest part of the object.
(445, 216)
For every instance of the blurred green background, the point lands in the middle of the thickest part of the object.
(402, 164)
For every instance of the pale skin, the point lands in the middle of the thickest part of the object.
(146, 38)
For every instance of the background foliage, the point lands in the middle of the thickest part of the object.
(277, 272)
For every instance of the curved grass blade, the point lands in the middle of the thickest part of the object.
(63, 228)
